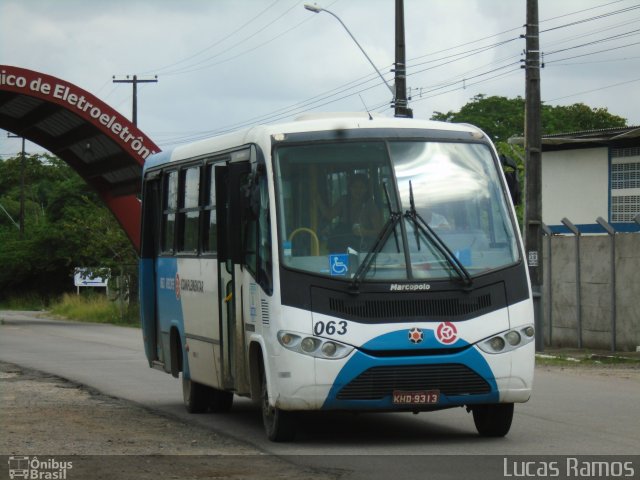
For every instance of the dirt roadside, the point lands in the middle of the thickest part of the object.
(46, 417)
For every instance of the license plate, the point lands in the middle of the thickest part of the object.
(423, 397)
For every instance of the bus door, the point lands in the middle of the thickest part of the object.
(149, 248)
(229, 179)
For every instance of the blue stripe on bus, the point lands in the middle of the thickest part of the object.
(360, 362)
(148, 307)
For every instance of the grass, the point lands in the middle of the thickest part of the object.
(588, 359)
(24, 302)
(95, 308)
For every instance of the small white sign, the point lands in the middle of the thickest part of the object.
(533, 258)
(83, 278)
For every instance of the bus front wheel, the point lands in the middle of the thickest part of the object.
(493, 420)
(278, 424)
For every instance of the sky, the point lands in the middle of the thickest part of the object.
(223, 65)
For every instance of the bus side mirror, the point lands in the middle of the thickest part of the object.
(510, 169)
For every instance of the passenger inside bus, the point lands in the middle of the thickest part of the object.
(355, 218)
(436, 220)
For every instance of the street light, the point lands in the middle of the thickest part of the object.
(317, 9)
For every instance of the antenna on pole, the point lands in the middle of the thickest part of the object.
(533, 164)
(22, 174)
(401, 105)
(135, 81)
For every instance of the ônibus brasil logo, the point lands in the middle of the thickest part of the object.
(33, 468)
(447, 333)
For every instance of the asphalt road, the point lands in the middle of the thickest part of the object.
(572, 411)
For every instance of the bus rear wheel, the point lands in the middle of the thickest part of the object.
(493, 420)
(195, 396)
(278, 424)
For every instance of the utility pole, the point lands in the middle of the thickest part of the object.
(135, 81)
(400, 103)
(533, 165)
(22, 169)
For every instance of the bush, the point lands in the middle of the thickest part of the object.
(95, 307)
(30, 301)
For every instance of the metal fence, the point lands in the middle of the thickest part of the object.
(591, 291)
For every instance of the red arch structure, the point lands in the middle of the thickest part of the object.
(103, 146)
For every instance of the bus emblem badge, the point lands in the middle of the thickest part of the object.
(447, 333)
(416, 335)
(177, 287)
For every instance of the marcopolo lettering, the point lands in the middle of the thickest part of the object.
(409, 287)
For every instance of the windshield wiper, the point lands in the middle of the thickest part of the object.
(435, 239)
(381, 240)
(379, 243)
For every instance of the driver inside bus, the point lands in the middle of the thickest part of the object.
(359, 219)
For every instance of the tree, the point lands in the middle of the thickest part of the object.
(502, 117)
(578, 117)
(66, 226)
(498, 117)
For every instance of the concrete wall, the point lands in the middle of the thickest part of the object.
(565, 319)
(575, 184)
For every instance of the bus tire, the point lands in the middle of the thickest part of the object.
(493, 420)
(195, 396)
(278, 424)
(220, 401)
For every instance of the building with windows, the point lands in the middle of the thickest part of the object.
(591, 174)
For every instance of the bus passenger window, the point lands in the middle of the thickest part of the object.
(258, 239)
(189, 211)
(209, 233)
(170, 205)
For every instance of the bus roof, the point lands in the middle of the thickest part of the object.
(307, 123)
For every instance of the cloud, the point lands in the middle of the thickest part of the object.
(250, 59)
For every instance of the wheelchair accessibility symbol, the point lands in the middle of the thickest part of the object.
(339, 264)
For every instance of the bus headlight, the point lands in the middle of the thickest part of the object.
(497, 344)
(287, 339)
(329, 349)
(507, 341)
(513, 338)
(308, 345)
(314, 346)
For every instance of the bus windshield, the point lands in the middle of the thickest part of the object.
(407, 207)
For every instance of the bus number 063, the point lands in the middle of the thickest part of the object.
(330, 328)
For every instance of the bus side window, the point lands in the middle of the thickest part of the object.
(151, 216)
(258, 234)
(189, 209)
(210, 221)
(169, 208)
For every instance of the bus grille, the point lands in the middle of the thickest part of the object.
(379, 382)
(404, 308)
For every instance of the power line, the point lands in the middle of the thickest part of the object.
(134, 83)
(630, 33)
(360, 85)
(201, 65)
(217, 42)
(595, 90)
(611, 60)
(597, 17)
(581, 11)
(592, 53)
